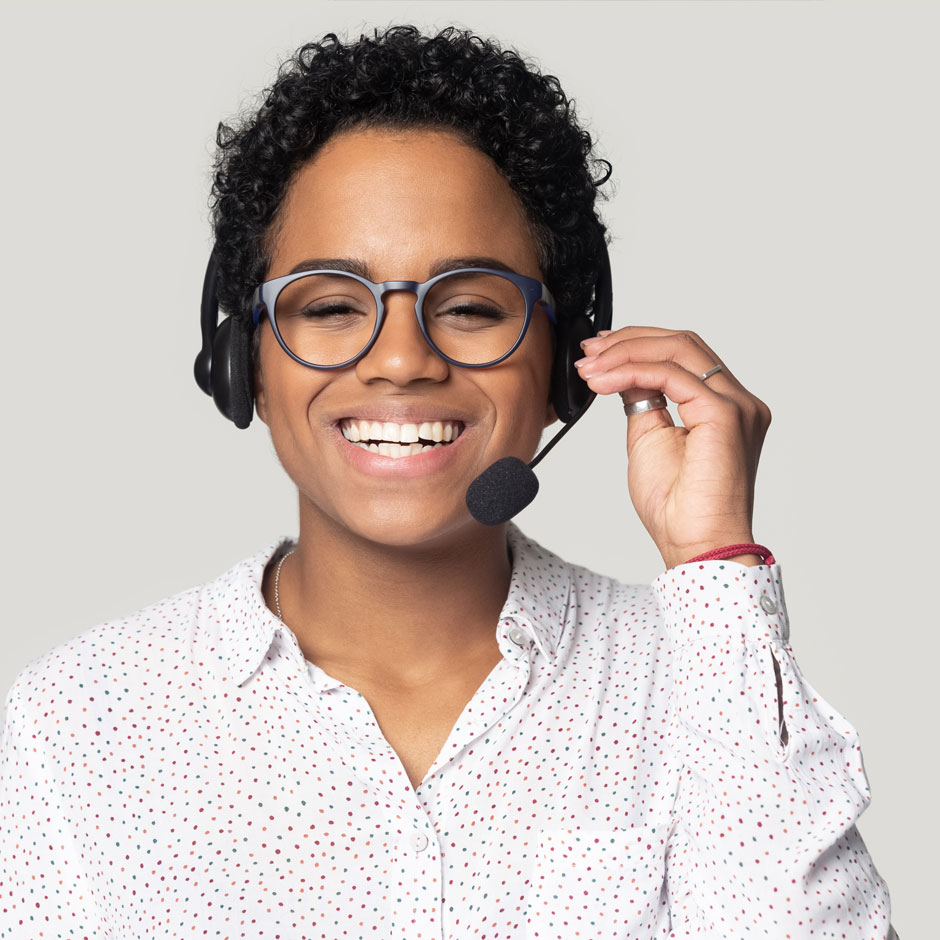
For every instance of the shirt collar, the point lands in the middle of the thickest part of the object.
(538, 598)
(246, 627)
(539, 591)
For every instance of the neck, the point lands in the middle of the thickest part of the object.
(360, 608)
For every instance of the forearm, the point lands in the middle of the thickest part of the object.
(765, 812)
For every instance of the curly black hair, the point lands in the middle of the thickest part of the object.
(400, 78)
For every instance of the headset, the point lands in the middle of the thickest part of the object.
(224, 368)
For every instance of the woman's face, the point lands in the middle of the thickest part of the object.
(401, 204)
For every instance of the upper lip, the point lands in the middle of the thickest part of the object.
(402, 415)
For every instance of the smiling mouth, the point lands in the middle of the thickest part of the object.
(399, 440)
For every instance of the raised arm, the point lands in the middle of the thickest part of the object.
(764, 841)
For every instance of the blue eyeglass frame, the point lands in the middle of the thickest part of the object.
(534, 291)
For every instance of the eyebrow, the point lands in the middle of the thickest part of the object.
(452, 264)
(358, 266)
(350, 265)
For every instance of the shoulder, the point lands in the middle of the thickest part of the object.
(609, 635)
(607, 592)
(583, 608)
(615, 613)
(145, 641)
(159, 646)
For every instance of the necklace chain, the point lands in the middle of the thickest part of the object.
(277, 579)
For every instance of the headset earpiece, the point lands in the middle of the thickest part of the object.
(223, 367)
(239, 380)
(570, 393)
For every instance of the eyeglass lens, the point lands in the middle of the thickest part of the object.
(472, 318)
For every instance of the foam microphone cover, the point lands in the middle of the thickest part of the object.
(502, 490)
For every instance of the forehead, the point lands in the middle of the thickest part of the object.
(398, 200)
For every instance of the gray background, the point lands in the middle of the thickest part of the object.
(776, 191)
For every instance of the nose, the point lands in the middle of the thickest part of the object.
(401, 354)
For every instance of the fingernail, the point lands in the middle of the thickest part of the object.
(604, 332)
(581, 362)
(588, 341)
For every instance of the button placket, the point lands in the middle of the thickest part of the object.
(417, 908)
(775, 612)
(417, 840)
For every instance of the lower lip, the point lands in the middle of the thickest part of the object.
(427, 462)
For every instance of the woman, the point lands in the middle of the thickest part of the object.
(407, 722)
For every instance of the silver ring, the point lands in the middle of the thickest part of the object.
(653, 404)
(649, 404)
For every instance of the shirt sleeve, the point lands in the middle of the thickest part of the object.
(44, 889)
(763, 841)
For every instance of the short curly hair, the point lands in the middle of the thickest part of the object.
(400, 78)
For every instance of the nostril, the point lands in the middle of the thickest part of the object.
(402, 352)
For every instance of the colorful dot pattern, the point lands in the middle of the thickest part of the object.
(621, 773)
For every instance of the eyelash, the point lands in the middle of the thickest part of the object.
(328, 309)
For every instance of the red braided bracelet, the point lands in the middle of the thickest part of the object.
(729, 551)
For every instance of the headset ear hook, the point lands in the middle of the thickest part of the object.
(208, 320)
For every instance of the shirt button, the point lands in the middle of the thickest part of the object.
(518, 636)
(418, 841)
(768, 603)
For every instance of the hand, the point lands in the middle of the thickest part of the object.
(692, 486)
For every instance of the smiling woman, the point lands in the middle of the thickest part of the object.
(403, 721)
(441, 200)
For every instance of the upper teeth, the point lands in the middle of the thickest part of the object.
(356, 430)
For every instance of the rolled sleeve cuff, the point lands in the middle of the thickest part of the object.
(708, 599)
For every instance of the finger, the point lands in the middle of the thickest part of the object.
(684, 348)
(640, 424)
(596, 344)
(697, 402)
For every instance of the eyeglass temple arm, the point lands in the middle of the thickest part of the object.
(549, 303)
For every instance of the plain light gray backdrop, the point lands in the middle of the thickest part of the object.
(776, 190)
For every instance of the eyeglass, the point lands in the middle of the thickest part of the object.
(471, 317)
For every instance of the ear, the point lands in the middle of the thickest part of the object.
(551, 416)
(260, 406)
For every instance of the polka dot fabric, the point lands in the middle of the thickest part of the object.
(622, 773)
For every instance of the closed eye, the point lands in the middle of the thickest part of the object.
(329, 309)
(472, 309)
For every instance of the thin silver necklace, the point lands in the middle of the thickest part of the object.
(277, 579)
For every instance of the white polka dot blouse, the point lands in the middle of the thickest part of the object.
(627, 770)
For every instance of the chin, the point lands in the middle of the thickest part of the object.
(403, 522)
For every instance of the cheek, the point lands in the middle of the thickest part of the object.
(283, 389)
(539, 364)
(526, 392)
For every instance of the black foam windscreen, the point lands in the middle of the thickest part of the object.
(502, 490)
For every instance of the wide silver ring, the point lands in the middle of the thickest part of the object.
(653, 404)
(648, 404)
